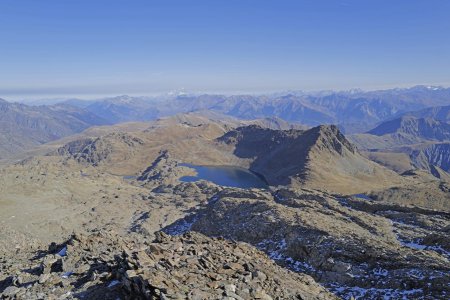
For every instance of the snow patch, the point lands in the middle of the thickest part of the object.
(113, 283)
(380, 272)
(372, 293)
(277, 255)
(417, 246)
(67, 274)
(63, 251)
(182, 226)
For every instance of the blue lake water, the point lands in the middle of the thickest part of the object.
(225, 176)
(362, 196)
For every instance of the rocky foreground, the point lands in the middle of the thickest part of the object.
(247, 244)
(192, 266)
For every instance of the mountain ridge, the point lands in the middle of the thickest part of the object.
(315, 157)
(23, 127)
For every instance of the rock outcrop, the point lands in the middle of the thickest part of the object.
(100, 150)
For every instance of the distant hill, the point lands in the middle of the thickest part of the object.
(414, 128)
(440, 113)
(425, 142)
(433, 157)
(23, 127)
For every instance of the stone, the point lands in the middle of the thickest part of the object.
(17, 280)
(10, 291)
(234, 266)
(259, 275)
(235, 296)
(44, 277)
(230, 288)
(48, 263)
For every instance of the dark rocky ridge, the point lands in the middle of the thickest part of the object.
(321, 155)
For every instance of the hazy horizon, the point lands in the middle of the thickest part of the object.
(30, 98)
(72, 48)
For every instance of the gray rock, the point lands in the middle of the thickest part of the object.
(10, 291)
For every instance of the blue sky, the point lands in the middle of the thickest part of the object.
(96, 47)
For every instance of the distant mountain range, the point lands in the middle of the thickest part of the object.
(354, 111)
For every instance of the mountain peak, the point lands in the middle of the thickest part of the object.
(326, 129)
(331, 137)
(427, 87)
